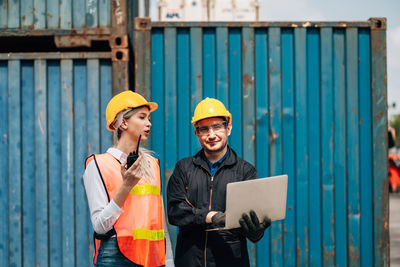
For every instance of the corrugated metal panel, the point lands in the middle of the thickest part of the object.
(307, 99)
(52, 118)
(50, 14)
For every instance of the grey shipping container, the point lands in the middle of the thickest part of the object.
(308, 99)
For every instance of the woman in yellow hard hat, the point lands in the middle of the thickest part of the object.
(125, 200)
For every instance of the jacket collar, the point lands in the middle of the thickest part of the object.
(231, 159)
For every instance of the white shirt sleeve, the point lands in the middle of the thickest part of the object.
(102, 213)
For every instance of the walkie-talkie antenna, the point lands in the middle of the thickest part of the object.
(138, 143)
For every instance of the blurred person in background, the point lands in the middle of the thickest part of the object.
(392, 140)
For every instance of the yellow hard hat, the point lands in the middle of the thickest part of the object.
(123, 101)
(209, 108)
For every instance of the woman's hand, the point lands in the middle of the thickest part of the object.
(131, 176)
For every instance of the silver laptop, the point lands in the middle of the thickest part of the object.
(266, 196)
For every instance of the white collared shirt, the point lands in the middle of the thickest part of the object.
(102, 213)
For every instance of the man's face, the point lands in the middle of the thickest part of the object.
(213, 134)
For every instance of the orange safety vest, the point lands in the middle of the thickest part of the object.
(140, 228)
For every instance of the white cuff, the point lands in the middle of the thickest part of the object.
(114, 208)
(106, 219)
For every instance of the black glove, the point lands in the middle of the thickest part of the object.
(218, 220)
(252, 228)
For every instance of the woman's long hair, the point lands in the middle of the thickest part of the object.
(145, 169)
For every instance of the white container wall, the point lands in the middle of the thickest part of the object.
(207, 10)
(182, 10)
(233, 10)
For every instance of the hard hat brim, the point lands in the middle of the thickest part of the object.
(228, 119)
(152, 106)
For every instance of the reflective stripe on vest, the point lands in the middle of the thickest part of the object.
(153, 235)
(146, 189)
(144, 234)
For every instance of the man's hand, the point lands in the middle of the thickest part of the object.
(252, 228)
(218, 220)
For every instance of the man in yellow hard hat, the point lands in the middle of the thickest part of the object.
(196, 194)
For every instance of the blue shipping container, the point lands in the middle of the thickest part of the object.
(52, 117)
(308, 99)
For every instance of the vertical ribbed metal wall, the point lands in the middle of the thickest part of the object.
(52, 117)
(308, 100)
(55, 14)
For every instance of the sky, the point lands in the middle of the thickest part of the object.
(341, 10)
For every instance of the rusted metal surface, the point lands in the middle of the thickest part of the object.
(120, 55)
(55, 55)
(27, 32)
(119, 16)
(378, 23)
(116, 35)
(379, 126)
(77, 40)
(74, 25)
(119, 42)
(97, 31)
(143, 24)
(142, 43)
(120, 76)
(381, 22)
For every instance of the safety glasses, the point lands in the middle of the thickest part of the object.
(216, 127)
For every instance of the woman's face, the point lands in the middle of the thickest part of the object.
(139, 124)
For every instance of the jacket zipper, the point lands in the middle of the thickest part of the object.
(209, 208)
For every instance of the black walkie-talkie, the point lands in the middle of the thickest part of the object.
(133, 156)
